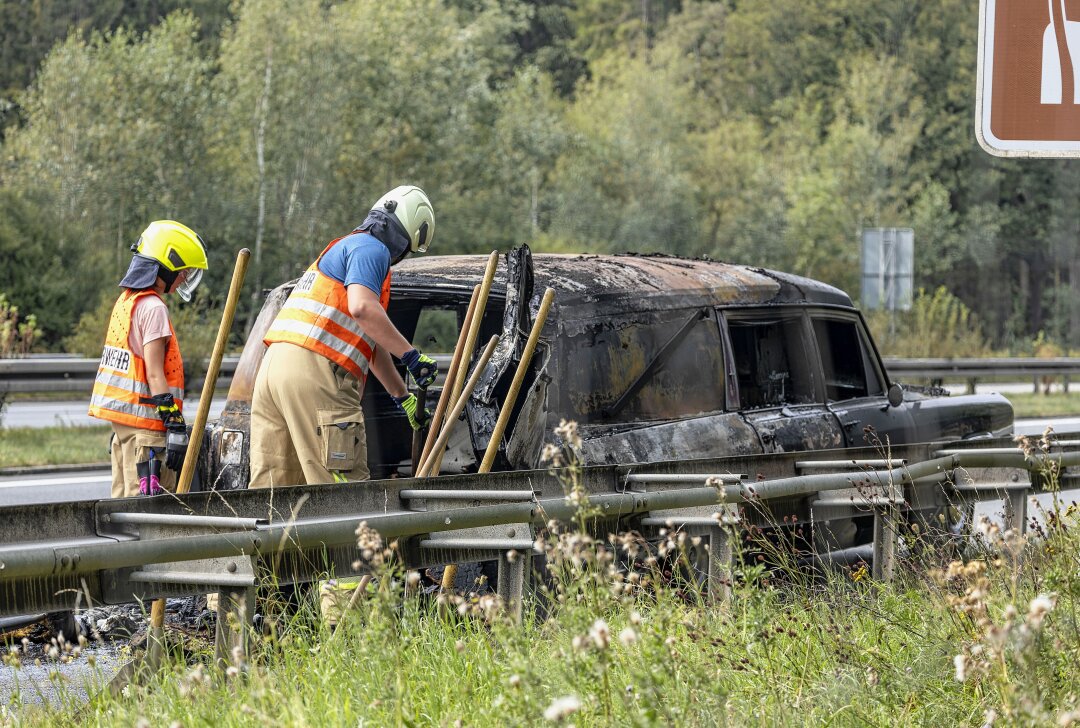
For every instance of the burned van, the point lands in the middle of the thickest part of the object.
(656, 357)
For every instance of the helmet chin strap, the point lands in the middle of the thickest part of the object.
(169, 276)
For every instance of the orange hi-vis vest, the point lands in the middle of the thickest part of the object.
(316, 317)
(121, 379)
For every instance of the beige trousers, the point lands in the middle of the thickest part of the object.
(306, 422)
(131, 445)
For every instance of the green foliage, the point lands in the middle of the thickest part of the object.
(938, 325)
(17, 337)
(760, 133)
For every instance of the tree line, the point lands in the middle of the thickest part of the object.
(752, 132)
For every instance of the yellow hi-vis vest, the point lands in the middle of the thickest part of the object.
(316, 317)
(121, 381)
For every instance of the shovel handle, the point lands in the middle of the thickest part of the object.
(418, 434)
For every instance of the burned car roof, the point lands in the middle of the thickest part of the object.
(604, 284)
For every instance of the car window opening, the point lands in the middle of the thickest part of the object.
(771, 362)
(844, 361)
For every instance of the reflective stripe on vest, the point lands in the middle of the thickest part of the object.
(316, 317)
(121, 381)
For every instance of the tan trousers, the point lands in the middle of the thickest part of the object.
(131, 445)
(306, 422)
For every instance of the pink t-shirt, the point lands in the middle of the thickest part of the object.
(149, 322)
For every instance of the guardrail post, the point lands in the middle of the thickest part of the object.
(886, 534)
(234, 612)
(511, 580)
(1016, 510)
(721, 565)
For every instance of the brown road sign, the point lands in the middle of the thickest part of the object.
(1028, 101)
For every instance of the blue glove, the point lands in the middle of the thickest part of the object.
(422, 367)
(407, 404)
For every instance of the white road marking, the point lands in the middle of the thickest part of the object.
(61, 480)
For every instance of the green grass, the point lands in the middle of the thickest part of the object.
(1054, 404)
(54, 445)
(641, 647)
(787, 650)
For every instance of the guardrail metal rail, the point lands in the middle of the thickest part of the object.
(972, 369)
(71, 555)
(62, 373)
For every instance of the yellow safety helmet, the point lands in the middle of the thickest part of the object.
(176, 247)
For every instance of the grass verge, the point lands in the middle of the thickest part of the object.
(1055, 404)
(618, 638)
(24, 446)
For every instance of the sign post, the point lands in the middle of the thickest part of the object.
(1028, 97)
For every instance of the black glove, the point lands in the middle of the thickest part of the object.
(423, 368)
(176, 433)
(407, 404)
(176, 444)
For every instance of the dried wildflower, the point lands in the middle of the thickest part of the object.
(960, 663)
(600, 634)
(551, 454)
(515, 681)
(628, 637)
(1069, 718)
(1039, 607)
(231, 672)
(459, 646)
(578, 643)
(563, 707)
(635, 618)
(567, 431)
(370, 544)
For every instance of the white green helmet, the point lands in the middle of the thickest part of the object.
(412, 208)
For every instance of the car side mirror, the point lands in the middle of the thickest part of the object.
(895, 395)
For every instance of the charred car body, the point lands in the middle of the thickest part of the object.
(656, 357)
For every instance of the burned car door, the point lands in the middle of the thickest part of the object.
(855, 383)
(778, 384)
(649, 386)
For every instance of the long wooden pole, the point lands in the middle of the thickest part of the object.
(451, 376)
(459, 405)
(155, 642)
(515, 384)
(470, 346)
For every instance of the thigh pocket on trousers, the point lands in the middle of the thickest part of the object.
(342, 439)
(145, 442)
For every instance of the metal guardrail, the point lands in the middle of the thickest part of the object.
(68, 374)
(972, 369)
(61, 556)
(63, 373)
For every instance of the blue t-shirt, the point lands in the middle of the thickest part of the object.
(357, 258)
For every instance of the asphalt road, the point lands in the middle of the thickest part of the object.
(60, 487)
